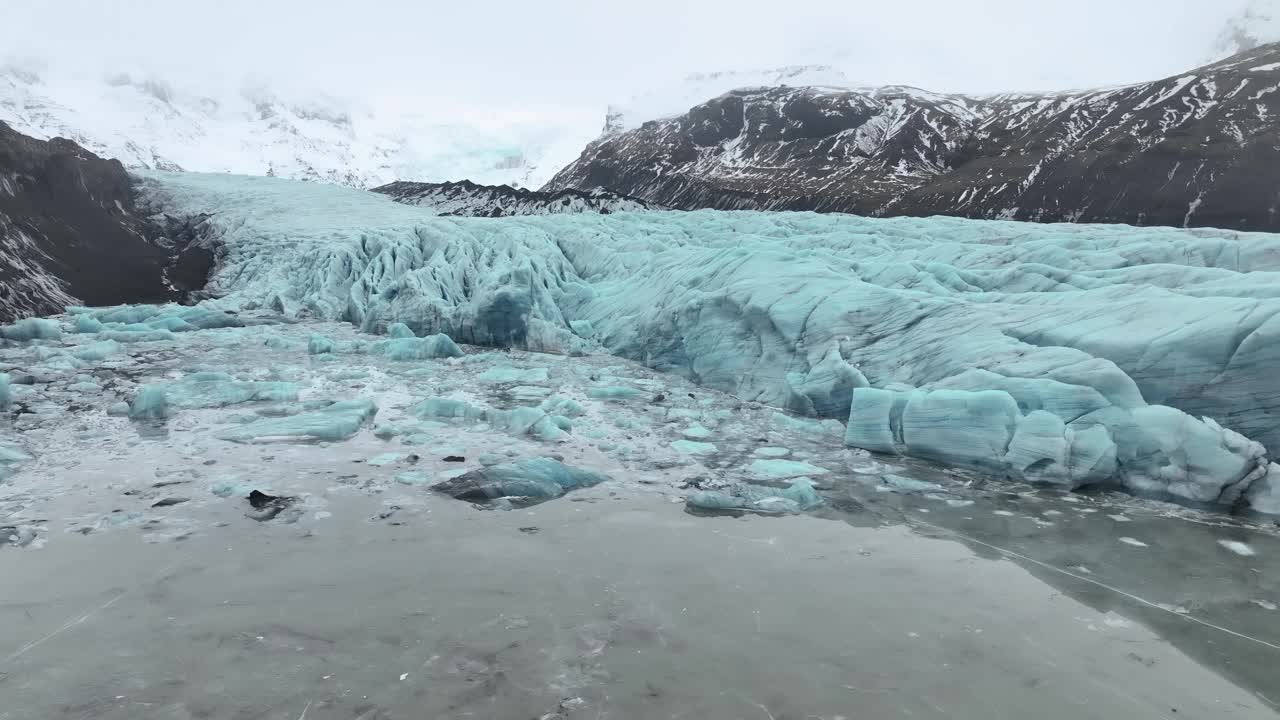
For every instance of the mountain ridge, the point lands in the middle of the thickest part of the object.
(73, 232)
(1201, 148)
(468, 199)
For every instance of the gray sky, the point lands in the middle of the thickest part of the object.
(539, 55)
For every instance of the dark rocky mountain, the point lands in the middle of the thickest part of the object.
(1199, 149)
(71, 232)
(468, 199)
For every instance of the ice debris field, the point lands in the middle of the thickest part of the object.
(1075, 355)
(742, 362)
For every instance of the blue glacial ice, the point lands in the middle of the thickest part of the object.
(150, 319)
(1136, 358)
(615, 392)
(150, 403)
(337, 421)
(691, 447)
(508, 374)
(799, 496)
(776, 469)
(10, 457)
(321, 345)
(31, 329)
(88, 324)
(535, 480)
(6, 394)
(213, 390)
(533, 421)
(399, 330)
(414, 348)
(566, 407)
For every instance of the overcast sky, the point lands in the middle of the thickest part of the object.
(543, 54)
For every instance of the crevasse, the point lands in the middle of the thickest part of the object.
(1068, 354)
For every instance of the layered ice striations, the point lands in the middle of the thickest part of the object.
(1066, 354)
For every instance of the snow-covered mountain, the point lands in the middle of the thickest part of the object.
(467, 199)
(676, 98)
(1198, 149)
(147, 122)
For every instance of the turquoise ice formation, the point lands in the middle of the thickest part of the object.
(799, 496)
(1136, 358)
(337, 421)
(537, 479)
(151, 403)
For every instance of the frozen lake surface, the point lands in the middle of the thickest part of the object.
(139, 582)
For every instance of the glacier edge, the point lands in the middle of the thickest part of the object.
(1068, 354)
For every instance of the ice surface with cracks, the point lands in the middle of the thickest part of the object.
(1137, 358)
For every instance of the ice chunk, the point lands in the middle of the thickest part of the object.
(320, 345)
(412, 348)
(826, 390)
(214, 389)
(529, 393)
(349, 374)
(32, 329)
(124, 314)
(616, 392)
(771, 452)
(151, 403)
(230, 487)
(119, 409)
(132, 336)
(534, 480)
(875, 420)
(87, 324)
(1039, 448)
(960, 427)
(528, 420)
(815, 428)
(755, 498)
(774, 469)
(520, 421)
(11, 455)
(445, 408)
(1239, 548)
(338, 421)
(6, 395)
(1264, 493)
(508, 374)
(562, 406)
(399, 330)
(412, 478)
(690, 447)
(582, 328)
(696, 432)
(97, 351)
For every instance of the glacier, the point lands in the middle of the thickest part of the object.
(1076, 355)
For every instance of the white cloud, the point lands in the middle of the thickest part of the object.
(546, 54)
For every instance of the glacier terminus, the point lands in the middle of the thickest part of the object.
(998, 345)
